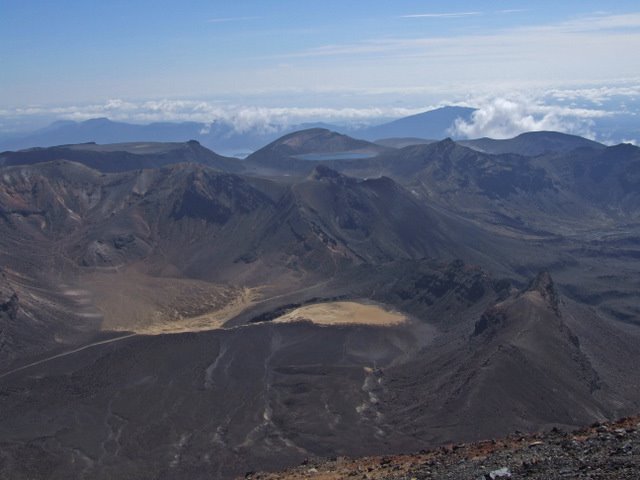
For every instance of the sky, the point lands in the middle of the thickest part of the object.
(257, 60)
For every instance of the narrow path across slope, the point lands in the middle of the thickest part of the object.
(124, 337)
(70, 352)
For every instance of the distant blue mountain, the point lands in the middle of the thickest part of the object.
(103, 130)
(434, 124)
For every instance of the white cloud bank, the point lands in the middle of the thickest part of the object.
(241, 118)
(501, 115)
(508, 117)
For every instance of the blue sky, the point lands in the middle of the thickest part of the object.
(358, 54)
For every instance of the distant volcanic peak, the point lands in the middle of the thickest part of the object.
(298, 139)
(302, 141)
(543, 285)
(318, 140)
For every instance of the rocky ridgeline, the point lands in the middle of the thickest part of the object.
(602, 451)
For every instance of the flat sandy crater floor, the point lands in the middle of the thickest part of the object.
(344, 313)
(130, 300)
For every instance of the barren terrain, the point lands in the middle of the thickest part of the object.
(164, 316)
(603, 451)
(133, 301)
(341, 313)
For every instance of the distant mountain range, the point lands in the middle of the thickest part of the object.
(294, 152)
(222, 137)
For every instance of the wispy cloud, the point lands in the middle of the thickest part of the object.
(231, 19)
(518, 40)
(597, 95)
(442, 15)
(512, 10)
(551, 55)
(595, 23)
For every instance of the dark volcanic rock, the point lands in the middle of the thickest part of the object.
(520, 349)
(604, 451)
(8, 298)
(543, 284)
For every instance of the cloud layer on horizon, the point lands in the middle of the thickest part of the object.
(574, 111)
(507, 117)
(241, 117)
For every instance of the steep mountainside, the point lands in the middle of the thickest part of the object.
(558, 193)
(609, 177)
(588, 185)
(522, 349)
(83, 227)
(106, 220)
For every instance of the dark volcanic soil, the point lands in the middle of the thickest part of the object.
(603, 451)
